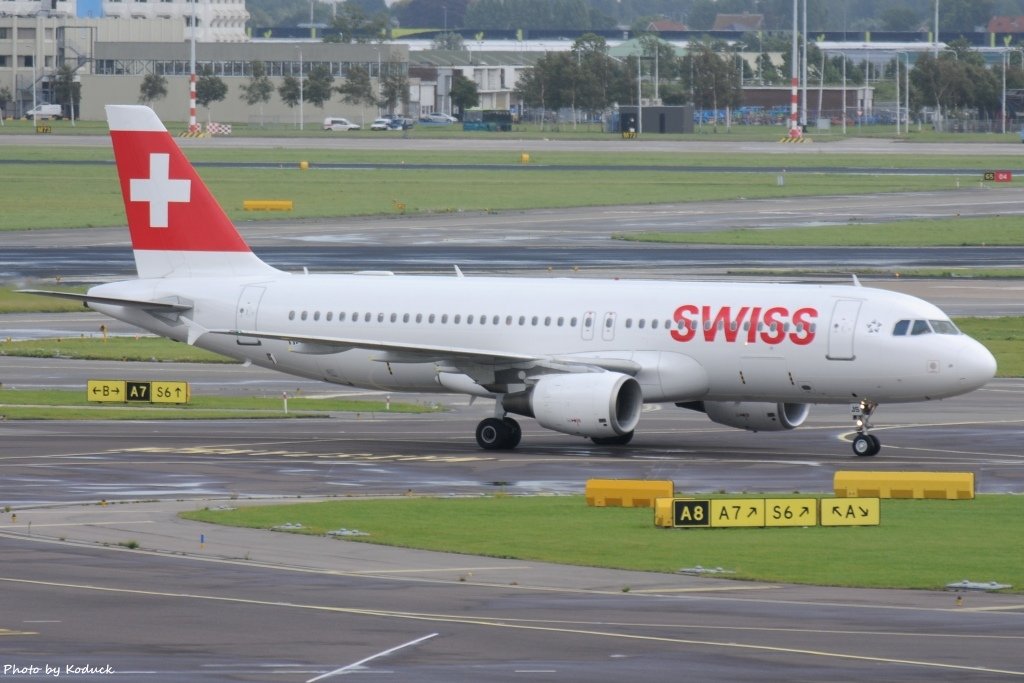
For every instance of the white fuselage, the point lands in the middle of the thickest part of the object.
(691, 340)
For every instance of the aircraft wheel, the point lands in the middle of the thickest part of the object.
(493, 434)
(866, 445)
(515, 432)
(620, 440)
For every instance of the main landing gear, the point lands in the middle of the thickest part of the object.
(865, 444)
(495, 434)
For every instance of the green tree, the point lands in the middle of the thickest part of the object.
(66, 90)
(290, 91)
(715, 83)
(259, 89)
(597, 73)
(448, 41)
(464, 93)
(209, 89)
(394, 88)
(319, 85)
(5, 102)
(357, 88)
(355, 26)
(153, 88)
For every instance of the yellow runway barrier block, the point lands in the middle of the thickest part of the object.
(267, 205)
(627, 493)
(933, 485)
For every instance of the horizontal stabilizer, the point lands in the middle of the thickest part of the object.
(112, 301)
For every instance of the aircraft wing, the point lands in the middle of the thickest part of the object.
(112, 301)
(394, 352)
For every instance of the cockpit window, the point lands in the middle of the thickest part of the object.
(920, 327)
(901, 328)
(944, 327)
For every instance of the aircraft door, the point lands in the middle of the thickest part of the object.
(587, 329)
(841, 329)
(245, 315)
(608, 328)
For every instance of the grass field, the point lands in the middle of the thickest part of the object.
(73, 405)
(93, 198)
(142, 348)
(919, 544)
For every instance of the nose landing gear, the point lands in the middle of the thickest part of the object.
(865, 444)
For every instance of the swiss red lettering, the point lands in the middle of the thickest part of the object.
(803, 319)
(772, 325)
(686, 330)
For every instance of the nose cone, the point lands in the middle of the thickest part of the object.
(975, 366)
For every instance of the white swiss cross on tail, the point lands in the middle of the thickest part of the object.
(160, 189)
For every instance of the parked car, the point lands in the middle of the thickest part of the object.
(384, 124)
(438, 117)
(337, 123)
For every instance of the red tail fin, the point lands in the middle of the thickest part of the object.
(177, 227)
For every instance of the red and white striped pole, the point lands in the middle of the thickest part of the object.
(794, 125)
(193, 127)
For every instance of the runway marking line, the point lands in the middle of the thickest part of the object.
(494, 623)
(703, 589)
(137, 521)
(373, 572)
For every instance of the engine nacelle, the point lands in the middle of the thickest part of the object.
(757, 417)
(591, 404)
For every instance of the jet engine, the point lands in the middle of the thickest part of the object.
(757, 417)
(591, 404)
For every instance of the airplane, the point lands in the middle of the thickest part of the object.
(581, 356)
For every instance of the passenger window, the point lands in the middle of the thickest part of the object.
(920, 327)
(629, 323)
(547, 321)
(522, 320)
(394, 317)
(561, 322)
(405, 318)
(457, 319)
(330, 316)
(901, 328)
(496, 320)
(641, 323)
(444, 318)
(303, 316)
(534, 320)
(654, 324)
(572, 322)
(419, 318)
(291, 315)
(431, 319)
(608, 322)
(380, 317)
(508, 320)
(366, 317)
(469, 320)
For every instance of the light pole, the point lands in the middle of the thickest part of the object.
(897, 95)
(302, 97)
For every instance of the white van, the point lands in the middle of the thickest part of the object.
(45, 111)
